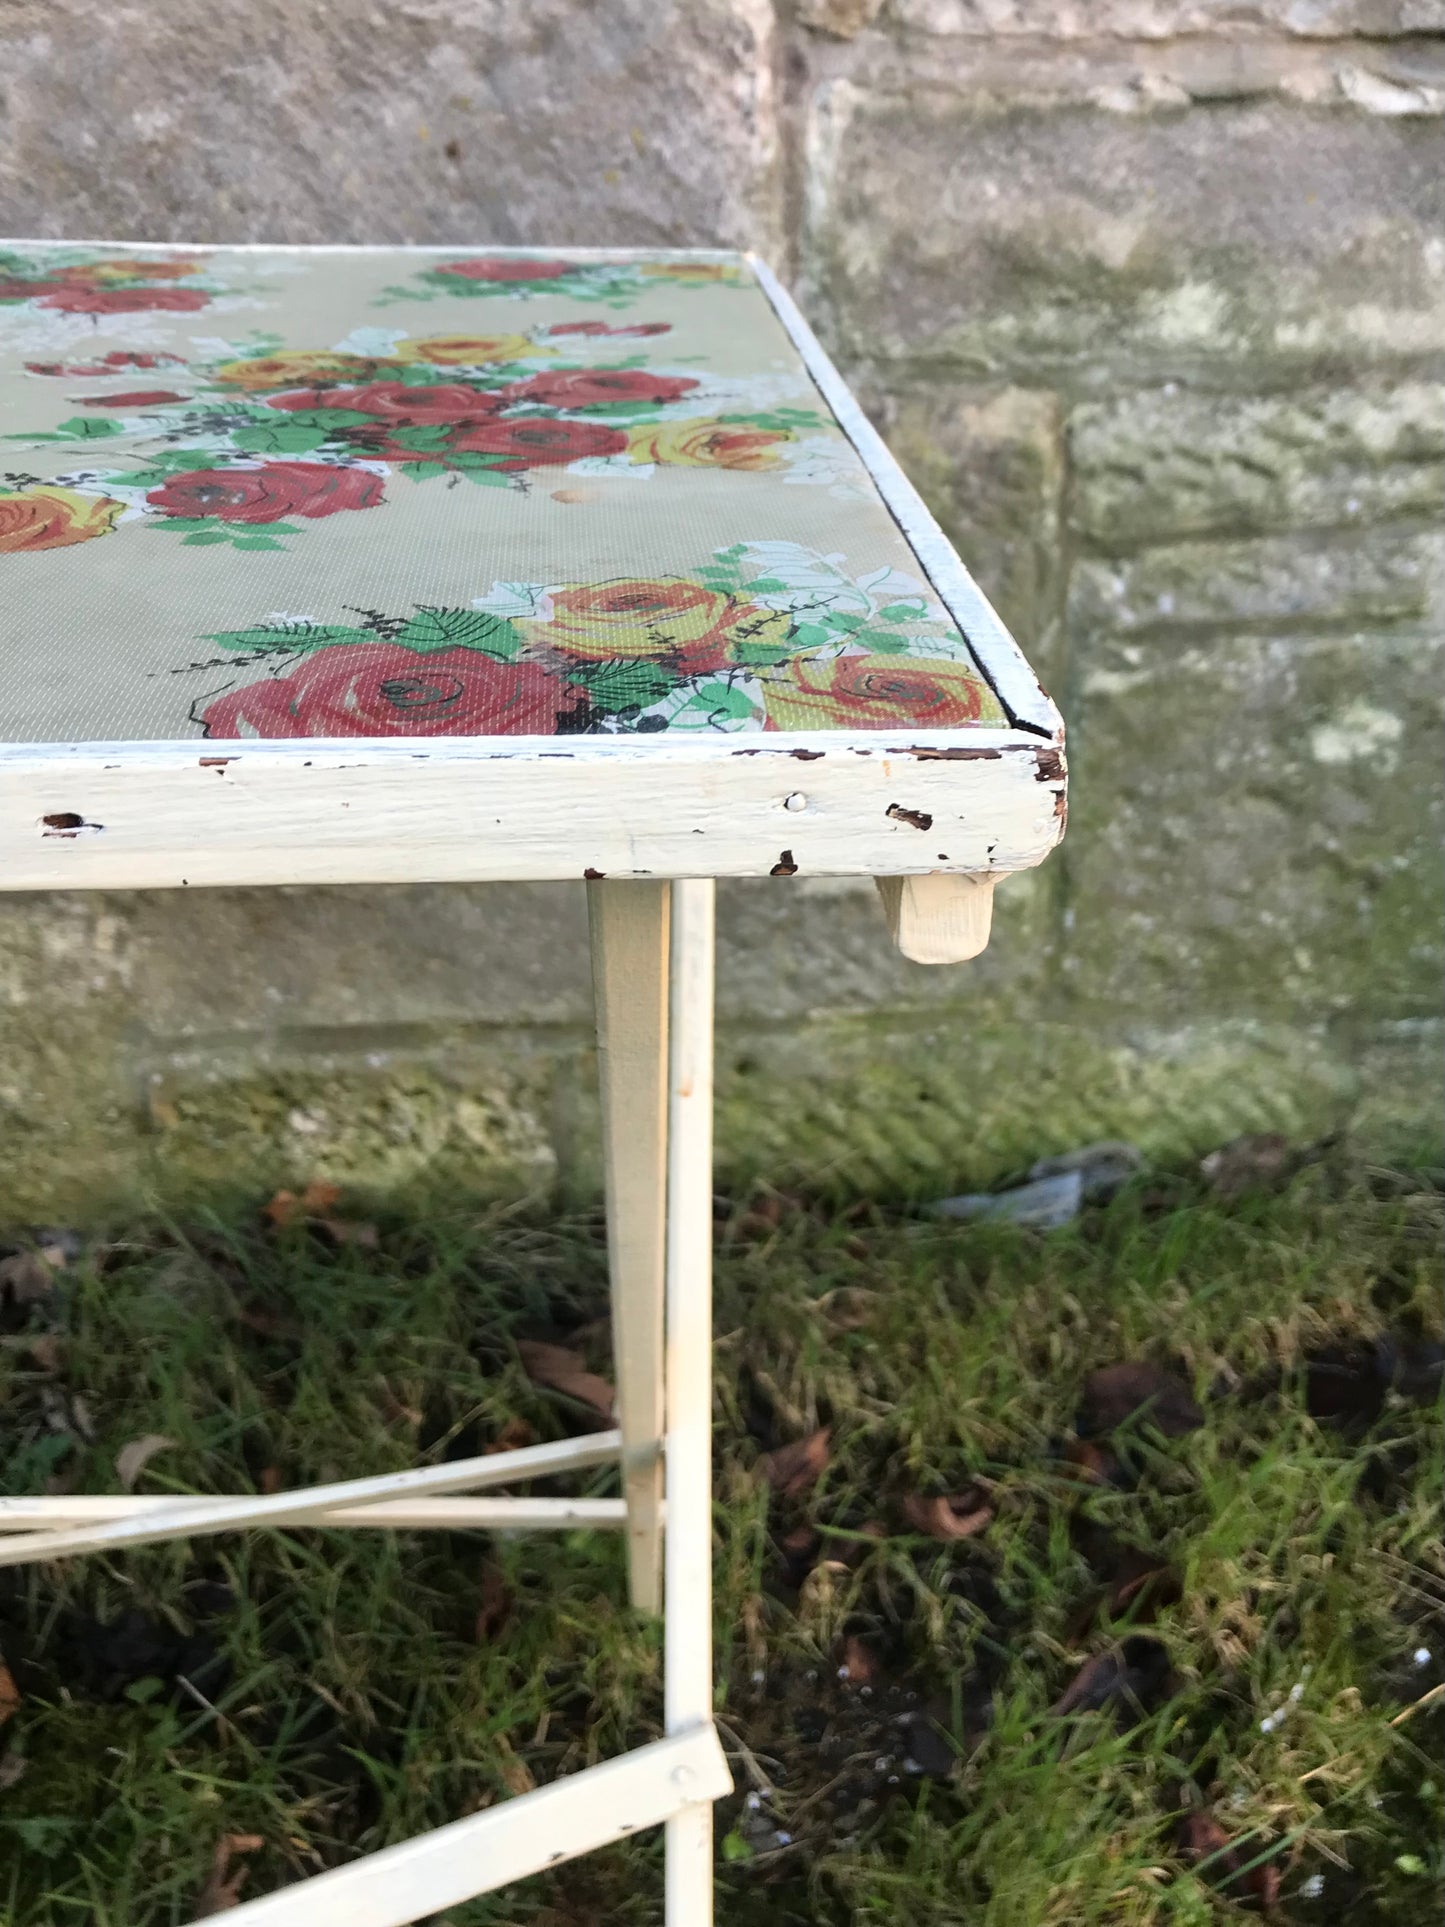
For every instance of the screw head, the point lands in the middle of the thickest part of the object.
(797, 801)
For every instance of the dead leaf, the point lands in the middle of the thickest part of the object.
(791, 1469)
(514, 1436)
(494, 1607)
(561, 1370)
(958, 1515)
(859, 1665)
(316, 1201)
(1253, 1162)
(798, 1553)
(132, 1459)
(9, 1694)
(1142, 1587)
(1117, 1393)
(848, 1308)
(222, 1890)
(396, 1411)
(47, 1349)
(343, 1231)
(268, 1481)
(1204, 1843)
(1131, 1676)
(28, 1277)
(1090, 1464)
(267, 1323)
(71, 1416)
(517, 1775)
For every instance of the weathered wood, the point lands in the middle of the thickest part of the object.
(687, 1655)
(629, 924)
(171, 815)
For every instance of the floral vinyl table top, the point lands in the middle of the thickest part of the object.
(368, 493)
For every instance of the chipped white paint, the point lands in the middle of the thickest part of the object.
(174, 814)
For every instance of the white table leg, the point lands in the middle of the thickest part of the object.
(687, 1665)
(629, 980)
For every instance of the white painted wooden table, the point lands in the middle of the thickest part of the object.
(363, 565)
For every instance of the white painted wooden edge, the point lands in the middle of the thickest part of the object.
(254, 818)
(687, 1676)
(195, 1517)
(513, 1515)
(938, 919)
(1000, 657)
(523, 1835)
(384, 247)
(691, 748)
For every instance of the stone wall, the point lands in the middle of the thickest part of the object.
(1149, 297)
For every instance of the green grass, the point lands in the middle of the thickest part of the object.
(331, 1692)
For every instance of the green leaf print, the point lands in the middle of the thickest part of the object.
(89, 428)
(432, 629)
(622, 684)
(296, 436)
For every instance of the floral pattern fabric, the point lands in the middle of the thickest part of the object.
(490, 494)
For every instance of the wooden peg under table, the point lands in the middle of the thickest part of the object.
(938, 919)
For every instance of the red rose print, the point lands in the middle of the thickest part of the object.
(106, 364)
(120, 358)
(602, 328)
(596, 387)
(539, 442)
(383, 689)
(138, 398)
(83, 299)
(501, 267)
(396, 403)
(267, 494)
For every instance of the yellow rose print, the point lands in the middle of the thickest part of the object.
(294, 370)
(466, 350)
(700, 272)
(838, 692)
(53, 518)
(632, 618)
(708, 444)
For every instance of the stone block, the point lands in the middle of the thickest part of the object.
(990, 466)
(645, 121)
(883, 1109)
(1171, 462)
(1256, 828)
(1160, 19)
(1273, 582)
(1064, 242)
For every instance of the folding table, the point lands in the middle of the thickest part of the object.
(369, 565)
